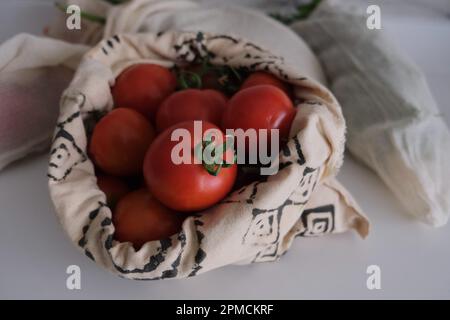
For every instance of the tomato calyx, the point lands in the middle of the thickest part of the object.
(228, 78)
(212, 161)
(189, 80)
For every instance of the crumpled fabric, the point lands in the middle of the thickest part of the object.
(34, 72)
(394, 124)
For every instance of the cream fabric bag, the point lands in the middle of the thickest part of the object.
(256, 223)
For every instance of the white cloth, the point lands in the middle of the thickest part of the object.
(394, 125)
(33, 74)
(254, 224)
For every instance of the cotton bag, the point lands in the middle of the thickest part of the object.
(256, 223)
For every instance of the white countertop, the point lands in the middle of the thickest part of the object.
(414, 259)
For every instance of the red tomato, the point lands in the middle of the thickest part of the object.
(143, 87)
(114, 188)
(119, 142)
(191, 104)
(139, 218)
(185, 186)
(263, 78)
(260, 107)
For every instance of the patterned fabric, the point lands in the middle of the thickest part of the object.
(254, 224)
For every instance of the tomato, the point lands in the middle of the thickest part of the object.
(186, 186)
(143, 87)
(260, 107)
(263, 78)
(114, 188)
(119, 142)
(191, 104)
(139, 218)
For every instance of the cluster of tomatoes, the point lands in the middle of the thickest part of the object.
(131, 146)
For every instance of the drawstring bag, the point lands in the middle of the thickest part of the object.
(253, 224)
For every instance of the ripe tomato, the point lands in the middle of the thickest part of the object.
(114, 188)
(263, 78)
(191, 104)
(186, 186)
(139, 218)
(143, 87)
(119, 142)
(260, 107)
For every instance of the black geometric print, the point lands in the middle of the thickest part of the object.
(224, 37)
(307, 184)
(83, 242)
(317, 221)
(193, 49)
(301, 158)
(201, 254)
(173, 272)
(286, 151)
(72, 117)
(161, 256)
(64, 156)
(313, 103)
(110, 44)
(254, 46)
(264, 230)
(154, 261)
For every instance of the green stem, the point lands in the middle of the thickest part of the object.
(215, 167)
(194, 82)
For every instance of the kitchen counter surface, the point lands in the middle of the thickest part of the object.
(414, 258)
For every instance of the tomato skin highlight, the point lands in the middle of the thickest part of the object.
(114, 188)
(191, 104)
(119, 142)
(263, 78)
(143, 87)
(260, 107)
(139, 218)
(185, 187)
